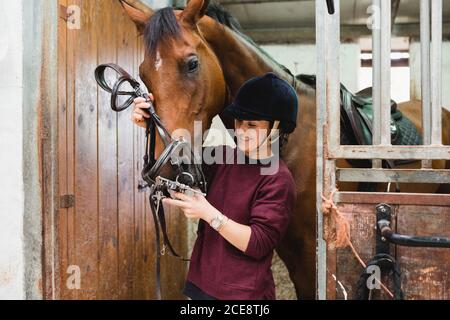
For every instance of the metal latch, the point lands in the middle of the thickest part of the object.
(386, 235)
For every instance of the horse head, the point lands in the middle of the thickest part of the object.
(179, 68)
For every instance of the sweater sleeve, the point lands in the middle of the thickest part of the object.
(270, 215)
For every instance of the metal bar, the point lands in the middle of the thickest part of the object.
(332, 114)
(411, 241)
(328, 102)
(425, 68)
(394, 175)
(333, 78)
(421, 199)
(436, 72)
(321, 260)
(376, 72)
(425, 74)
(381, 43)
(385, 90)
(391, 152)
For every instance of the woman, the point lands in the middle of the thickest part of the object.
(245, 213)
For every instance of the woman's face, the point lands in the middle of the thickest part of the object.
(250, 134)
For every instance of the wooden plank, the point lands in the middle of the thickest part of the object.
(125, 42)
(108, 284)
(86, 162)
(70, 157)
(425, 270)
(139, 272)
(60, 287)
(348, 270)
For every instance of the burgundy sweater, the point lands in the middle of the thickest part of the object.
(263, 202)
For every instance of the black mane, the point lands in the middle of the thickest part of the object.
(162, 26)
(218, 13)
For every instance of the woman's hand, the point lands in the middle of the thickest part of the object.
(139, 113)
(196, 207)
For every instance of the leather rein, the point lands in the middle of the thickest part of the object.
(150, 173)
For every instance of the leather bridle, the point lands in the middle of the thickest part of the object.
(153, 166)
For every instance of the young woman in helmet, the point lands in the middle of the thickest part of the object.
(248, 205)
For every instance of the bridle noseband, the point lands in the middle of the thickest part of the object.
(159, 187)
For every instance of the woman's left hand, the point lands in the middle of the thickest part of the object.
(195, 207)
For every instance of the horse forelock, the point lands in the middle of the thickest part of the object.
(162, 26)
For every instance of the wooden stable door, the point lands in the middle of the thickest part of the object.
(105, 233)
(424, 271)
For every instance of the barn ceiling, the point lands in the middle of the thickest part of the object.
(268, 21)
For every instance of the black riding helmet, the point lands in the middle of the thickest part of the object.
(266, 98)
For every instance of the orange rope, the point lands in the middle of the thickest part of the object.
(342, 237)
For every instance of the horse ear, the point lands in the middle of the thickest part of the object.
(138, 12)
(194, 11)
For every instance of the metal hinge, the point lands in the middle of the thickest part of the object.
(67, 201)
(65, 13)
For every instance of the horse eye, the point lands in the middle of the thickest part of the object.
(192, 65)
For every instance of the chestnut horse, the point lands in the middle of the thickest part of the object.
(196, 60)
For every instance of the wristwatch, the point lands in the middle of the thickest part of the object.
(218, 222)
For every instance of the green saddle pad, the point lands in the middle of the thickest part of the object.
(403, 131)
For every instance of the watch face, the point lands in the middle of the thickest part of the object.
(215, 223)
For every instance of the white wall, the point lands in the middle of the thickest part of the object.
(301, 58)
(11, 157)
(414, 52)
(400, 82)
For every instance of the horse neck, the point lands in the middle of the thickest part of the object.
(240, 59)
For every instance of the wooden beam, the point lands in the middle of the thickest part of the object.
(395, 4)
(264, 35)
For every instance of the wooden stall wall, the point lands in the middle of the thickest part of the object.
(107, 233)
(425, 271)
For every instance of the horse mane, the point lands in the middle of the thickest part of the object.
(163, 25)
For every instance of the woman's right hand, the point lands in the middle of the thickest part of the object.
(140, 113)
